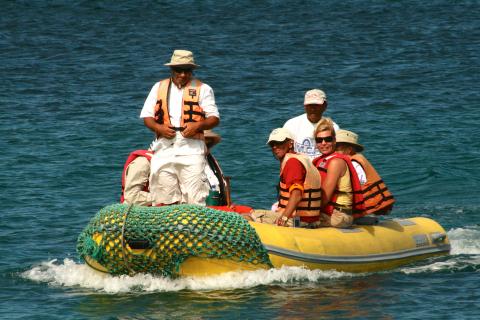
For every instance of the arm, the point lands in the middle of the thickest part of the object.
(295, 198)
(336, 169)
(148, 113)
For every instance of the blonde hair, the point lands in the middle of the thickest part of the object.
(325, 124)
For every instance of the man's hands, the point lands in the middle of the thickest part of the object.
(190, 129)
(282, 220)
(164, 131)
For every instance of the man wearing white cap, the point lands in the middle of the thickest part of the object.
(303, 126)
(299, 187)
(178, 110)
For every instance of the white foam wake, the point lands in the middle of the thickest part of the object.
(71, 274)
(465, 240)
(465, 252)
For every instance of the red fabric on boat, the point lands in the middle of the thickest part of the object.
(233, 208)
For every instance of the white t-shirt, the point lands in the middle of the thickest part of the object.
(362, 176)
(302, 131)
(179, 145)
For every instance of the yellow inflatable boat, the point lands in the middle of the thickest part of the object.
(187, 240)
(364, 248)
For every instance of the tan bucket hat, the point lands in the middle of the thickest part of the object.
(280, 135)
(314, 96)
(182, 58)
(345, 136)
(211, 138)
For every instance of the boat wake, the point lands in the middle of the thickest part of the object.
(71, 274)
(465, 254)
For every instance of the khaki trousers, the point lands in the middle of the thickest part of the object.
(338, 219)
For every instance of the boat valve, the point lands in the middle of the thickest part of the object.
(438, 237)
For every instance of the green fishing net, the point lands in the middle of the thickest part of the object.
(136, 239)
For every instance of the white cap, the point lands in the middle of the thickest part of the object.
(314, 96)
(280, 135)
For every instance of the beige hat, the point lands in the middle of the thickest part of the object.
(345, 136)
(211, 138)
(314, 96)
(280, 135)
(182, 58)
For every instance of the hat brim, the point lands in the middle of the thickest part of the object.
(276, 140)
(212, 139)
(319, 102)
(173, 64)
(358, 147)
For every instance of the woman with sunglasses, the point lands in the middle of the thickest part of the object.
(341, 191)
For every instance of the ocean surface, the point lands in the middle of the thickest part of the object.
(404, 75)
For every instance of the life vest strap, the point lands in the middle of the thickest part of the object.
(380, 191)
(373, 185)
(381, 201)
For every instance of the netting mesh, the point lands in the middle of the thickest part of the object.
(127, 240)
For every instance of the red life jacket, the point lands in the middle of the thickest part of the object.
(134, 155)
(358, 206)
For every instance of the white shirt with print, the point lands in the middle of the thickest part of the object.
(302, 131)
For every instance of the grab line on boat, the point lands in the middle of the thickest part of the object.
(316, 258)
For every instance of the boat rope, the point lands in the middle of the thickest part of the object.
(124, 253)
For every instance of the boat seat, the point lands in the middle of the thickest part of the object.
(366, 221)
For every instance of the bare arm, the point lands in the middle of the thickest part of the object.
(336, 169)
(295, 198)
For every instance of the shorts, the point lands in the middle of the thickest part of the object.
(338, 219)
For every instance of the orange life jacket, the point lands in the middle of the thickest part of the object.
(191, 110)
(378, 199)
(358, 207)
(134, 155)
(310, 204)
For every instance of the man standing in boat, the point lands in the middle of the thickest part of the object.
(299, 187)
(303, 126)
(178, 110)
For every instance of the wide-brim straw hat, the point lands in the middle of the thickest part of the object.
(211, 138)
(345, 136)
(182, 58)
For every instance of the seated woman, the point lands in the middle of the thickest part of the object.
(341, 191)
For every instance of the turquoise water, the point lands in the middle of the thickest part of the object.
(74, 76)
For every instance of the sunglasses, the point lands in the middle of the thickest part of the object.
(180, 70)
(326, 139)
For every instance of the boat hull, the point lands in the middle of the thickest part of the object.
(108, 245)
(384, 246)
